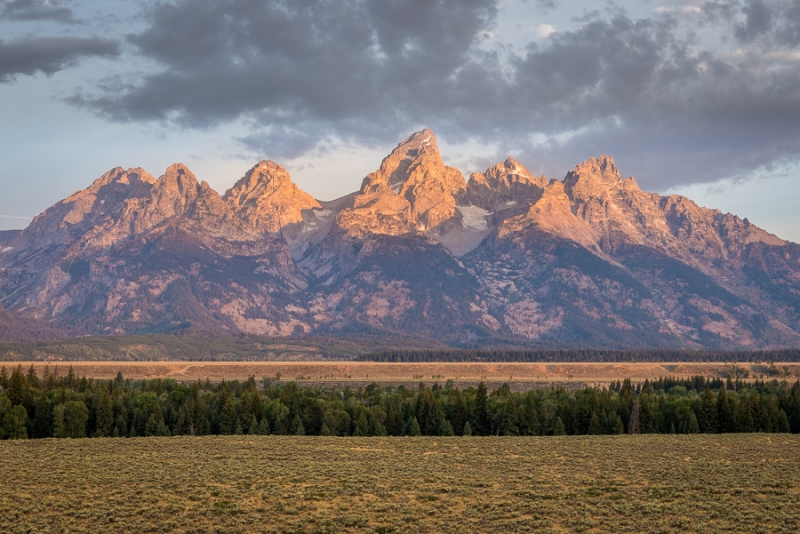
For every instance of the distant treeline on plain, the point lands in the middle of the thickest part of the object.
(581, 355)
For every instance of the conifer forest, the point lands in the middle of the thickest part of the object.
(68, 406)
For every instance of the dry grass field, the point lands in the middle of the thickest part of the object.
(698, 483)
(366, 372)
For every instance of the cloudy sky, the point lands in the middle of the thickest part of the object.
(690, 96)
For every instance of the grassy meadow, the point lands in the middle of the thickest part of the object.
(643, 483)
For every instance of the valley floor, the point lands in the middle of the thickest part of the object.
(340, 373)
(699, 483)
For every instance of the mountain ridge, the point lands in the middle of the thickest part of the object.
(417, 249)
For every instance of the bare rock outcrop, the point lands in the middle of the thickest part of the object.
(77, 214)
(267, 198)
(504, 185)
(413, 191)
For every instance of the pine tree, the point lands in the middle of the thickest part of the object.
(376, 420)
(394, 416)
(297, 428)
(59, 428)
(17, 387)
(14, 423)
(413, 428)
(435, 418)
(558, 427)
(282, 420)
(228, 418)
(183, 425)
(530, 417)
(594, 424)
(155, 424)
(446, 429)
(511, 418)
(619, 428)
(467, 430)
(76, 415)
(783, 423)
(121, 423)
(105, 415)
(726, 421)
(263, 427)
(745, 415)
(138, 422)
(481, 415)
(458, 414)
(708, 415)
(199, 416)
(32, 379)
(252, 428)
(422, 412)
(693, 427)
(41, 418)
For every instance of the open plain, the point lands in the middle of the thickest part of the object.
(342, 372)
(643, 483)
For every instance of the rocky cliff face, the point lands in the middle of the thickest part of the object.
(504, 186)
(507, 257)
(412, 191)
(267, 198)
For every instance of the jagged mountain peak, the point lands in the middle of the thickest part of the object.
(179, 185)
(514, 171)
(116, 179)
(595, 177)
(174, 190)
(412, 191)
(513, 166)
(265, 176)
(504, 185)
(177, 174)
(268, 199)
(118, 175)
(418, 149)
(603, 165)
(86, 209)
(423, 140)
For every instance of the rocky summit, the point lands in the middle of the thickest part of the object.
(505, 257)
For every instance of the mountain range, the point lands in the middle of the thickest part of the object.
(502, 257)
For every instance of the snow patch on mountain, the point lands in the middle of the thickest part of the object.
(473, 217)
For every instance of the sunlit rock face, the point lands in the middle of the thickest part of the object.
(505, 258)
(413, 191)
(267, 199)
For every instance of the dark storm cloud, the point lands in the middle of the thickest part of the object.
(757, 23)
(35, 10)
(348, 67)
(635, 90)
(303, 72)
(49, 54)
(773, 23)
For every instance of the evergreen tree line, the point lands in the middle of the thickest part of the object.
(581, 355)
(67, 406)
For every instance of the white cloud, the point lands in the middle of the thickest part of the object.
(543, 31)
